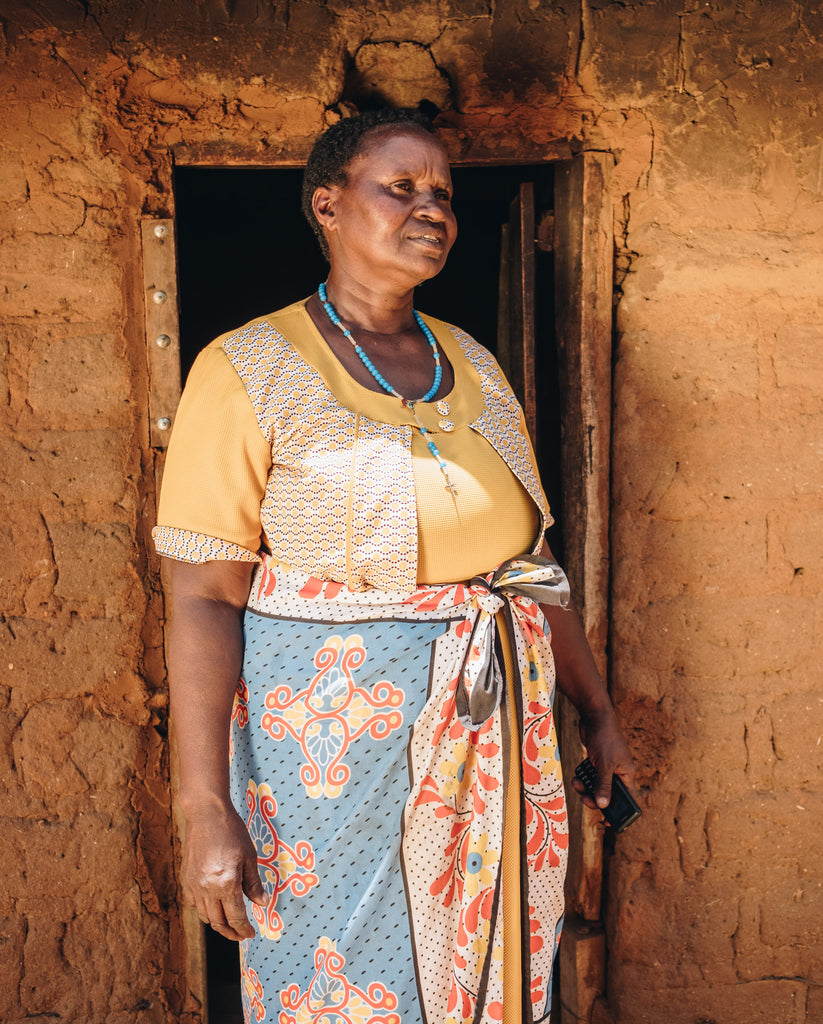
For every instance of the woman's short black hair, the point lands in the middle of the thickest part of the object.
(340, 144)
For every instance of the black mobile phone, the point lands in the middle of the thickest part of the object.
(622, 809)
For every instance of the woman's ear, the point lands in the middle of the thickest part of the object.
(322, 204)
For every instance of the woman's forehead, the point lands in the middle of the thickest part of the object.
(401, 145)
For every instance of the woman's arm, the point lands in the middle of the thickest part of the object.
(205, 659)
(579, 679)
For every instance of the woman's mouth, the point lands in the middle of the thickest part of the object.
(433, 241)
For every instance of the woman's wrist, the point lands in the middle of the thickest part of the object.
(585, 689)
(596, 708)
(200, 802)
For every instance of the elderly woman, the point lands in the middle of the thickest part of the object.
(359, 652)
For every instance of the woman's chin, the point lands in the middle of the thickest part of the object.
(428, 267)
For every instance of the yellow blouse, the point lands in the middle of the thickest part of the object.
(219, 461)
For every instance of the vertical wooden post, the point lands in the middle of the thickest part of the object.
(162, 341)
(521, 303)
(163, 348)
(504, 354)
(583, 297)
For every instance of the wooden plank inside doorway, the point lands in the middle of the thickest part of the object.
(521, 303)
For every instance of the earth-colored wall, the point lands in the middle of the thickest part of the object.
(712, 111)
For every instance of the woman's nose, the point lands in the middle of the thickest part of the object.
(430, 207)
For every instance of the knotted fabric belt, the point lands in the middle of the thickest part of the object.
(481, 685)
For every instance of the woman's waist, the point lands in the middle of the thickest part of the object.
(284, 591)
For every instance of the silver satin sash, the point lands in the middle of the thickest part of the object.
(481, 684)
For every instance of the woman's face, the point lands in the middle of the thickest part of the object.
(392, 222)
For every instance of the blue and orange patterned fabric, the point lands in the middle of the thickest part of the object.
(380, 823)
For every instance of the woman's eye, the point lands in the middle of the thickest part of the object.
(406, 186)
(444, 197)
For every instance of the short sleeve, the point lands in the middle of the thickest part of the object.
(216, 469)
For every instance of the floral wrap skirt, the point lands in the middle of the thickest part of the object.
(370, 745)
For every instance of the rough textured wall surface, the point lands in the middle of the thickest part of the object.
(712, 111)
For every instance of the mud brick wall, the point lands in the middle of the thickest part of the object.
(712, 112)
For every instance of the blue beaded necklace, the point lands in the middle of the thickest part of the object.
(378, 376)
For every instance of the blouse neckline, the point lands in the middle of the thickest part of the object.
(464, 401)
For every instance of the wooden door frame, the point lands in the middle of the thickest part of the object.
(583, 262)
(584, 257)
(583, 245)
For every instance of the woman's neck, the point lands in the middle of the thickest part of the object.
(374, 308)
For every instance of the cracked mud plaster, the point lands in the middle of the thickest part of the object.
(401, 74)
(711, 112)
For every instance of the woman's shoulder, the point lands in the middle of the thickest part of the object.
(260, 348)
(267, 356)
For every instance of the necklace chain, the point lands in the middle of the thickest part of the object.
(408, 403)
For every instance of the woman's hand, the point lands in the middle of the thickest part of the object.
(219, 866)
(608, 752)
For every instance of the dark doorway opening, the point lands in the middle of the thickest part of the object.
(244, 250)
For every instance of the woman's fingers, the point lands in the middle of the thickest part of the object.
(200, 906)
(226, 915)
(235, 924)
(603, 791)
(253, 885)
(587, 800)
(225, 920)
